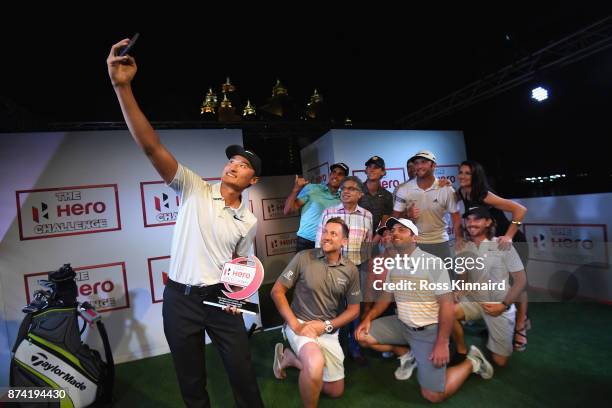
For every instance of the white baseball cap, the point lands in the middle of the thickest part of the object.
(425, 154)
(391, 221)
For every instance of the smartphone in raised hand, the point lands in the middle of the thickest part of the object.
(125, 50)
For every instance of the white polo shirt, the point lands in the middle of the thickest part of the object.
(498, 265)
(433, 204)
(207, 232)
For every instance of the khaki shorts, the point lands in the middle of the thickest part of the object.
(333, 370)
(500, 328)
(391, 330)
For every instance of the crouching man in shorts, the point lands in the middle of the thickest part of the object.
(324, 280)
(493, 305)
(425, 316)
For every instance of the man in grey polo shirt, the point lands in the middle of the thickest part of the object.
(323, 281)
(426, 201)
(213, 224)
(495, 306)
(424, 318)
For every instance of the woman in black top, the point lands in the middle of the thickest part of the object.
(474, 190)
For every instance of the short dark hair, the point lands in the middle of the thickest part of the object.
(356, 180)
(338, 220)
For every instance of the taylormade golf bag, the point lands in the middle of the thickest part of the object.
(48, 351)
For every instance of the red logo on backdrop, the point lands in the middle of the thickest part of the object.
(447, 171)
(62, 211)
(394, 177)
(103, 286)
(273, 209)
(164, 202)
(571, 244)
(160, 204)
(318, 174)
(43, 212)
(158, 276)
(279, 244)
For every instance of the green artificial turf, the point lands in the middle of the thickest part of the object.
(568, 363)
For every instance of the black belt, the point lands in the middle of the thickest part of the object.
(420, 328)
(192, 290)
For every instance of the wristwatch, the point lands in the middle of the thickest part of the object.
(508, 306)
(329, 327)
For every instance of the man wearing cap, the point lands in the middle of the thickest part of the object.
(383, 250)
(213, 225)
(324, 281)
(494, 306)
(426, 201)
(376, 199)
(424, 319)
(312, 199)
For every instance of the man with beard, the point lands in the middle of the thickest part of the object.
(495, 307)
(427, 200)
(424, 319)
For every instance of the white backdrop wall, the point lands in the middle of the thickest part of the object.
(355, 146)
(568, 249)
(276, 233)
(120, 270)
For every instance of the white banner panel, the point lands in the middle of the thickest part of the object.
(275, 231)
(103, 286)
(61, 211)
(569, 252)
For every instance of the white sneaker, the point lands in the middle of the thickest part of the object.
(480, 365)
(407, 365)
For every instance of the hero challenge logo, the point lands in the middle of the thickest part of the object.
(43, 212)
(167, 209)
(54, 212)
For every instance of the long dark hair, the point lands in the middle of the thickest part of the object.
(480, 186)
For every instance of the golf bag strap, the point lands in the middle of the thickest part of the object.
(109, 357)
(23, 330)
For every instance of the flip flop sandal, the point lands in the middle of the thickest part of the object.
(278, 357)
(520, 345)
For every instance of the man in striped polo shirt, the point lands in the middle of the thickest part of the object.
(425, 317)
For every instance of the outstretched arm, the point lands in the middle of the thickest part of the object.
(121, 71)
